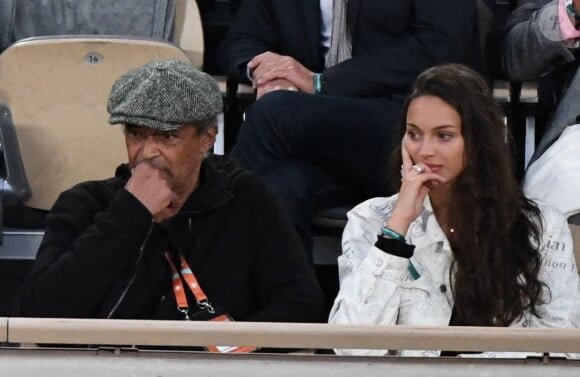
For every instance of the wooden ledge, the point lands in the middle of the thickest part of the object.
(289, 335)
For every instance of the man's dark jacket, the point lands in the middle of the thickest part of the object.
(102, 255)
(392, 41)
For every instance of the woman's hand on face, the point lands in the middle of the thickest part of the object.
(417, 180)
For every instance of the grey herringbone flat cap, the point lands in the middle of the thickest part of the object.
(163, 95)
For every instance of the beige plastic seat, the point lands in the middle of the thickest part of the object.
(57, 90)
(188, 32)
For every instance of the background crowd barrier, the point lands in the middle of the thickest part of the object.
(287, 335)
(117, 357)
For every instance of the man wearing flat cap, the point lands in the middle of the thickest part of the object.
(175, 234)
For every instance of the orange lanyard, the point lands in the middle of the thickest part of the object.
(179, 290)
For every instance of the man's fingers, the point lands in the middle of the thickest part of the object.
(172, 201)
(148, 168)
(263, 58)
(284, 69)
(260, 74)
(271, 75)
(256, 60)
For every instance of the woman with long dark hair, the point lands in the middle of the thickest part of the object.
(459, 244)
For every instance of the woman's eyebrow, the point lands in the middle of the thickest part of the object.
(443, 126)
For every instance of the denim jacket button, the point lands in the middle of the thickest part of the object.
(442, 288)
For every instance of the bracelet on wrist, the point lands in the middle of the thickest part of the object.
(389, 233)
(319, 83)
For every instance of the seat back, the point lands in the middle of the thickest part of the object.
(14, 186)
(188, 32)
(57, 89)
(23, 19)
(170, 20)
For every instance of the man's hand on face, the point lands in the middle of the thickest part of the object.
(151, 187)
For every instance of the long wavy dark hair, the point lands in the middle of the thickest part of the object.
(497, 229)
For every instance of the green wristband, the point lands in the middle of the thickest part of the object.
(319, 82)
(389, 233)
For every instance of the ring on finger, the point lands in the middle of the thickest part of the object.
(417, 168)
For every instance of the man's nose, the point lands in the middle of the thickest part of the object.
(150, 148)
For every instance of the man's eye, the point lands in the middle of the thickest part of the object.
(133, 133)
(169, 136)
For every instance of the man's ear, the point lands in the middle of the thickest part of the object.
(209, 138)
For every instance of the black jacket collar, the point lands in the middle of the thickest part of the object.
(213, 190)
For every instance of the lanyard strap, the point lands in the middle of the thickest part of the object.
(179, 290)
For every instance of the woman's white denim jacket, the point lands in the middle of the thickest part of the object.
(377, 288)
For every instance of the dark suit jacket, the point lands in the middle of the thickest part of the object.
(393, 41)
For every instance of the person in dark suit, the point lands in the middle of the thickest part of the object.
(330, 78)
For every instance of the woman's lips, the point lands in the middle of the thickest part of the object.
(435, 168)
